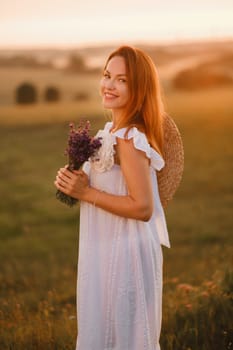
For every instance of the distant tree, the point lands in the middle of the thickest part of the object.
(52, 94)
(26, 93)
(76, 64)
(200, 78)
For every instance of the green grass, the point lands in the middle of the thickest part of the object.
(39, 235)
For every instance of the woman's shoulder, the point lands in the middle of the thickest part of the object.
(105, 156)
(141, 143)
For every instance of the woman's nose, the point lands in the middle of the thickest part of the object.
(110, 84)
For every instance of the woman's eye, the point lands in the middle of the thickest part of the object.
(122, 80)
(106, 76)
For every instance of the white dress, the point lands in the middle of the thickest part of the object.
(119, 290)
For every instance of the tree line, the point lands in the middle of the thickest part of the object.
(26, 93)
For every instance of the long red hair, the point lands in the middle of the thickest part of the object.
(144, 108)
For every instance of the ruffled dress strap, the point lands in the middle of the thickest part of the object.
(141, 143)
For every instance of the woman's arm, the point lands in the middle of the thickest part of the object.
(138, 204)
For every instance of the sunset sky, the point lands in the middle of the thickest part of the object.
(31, 23)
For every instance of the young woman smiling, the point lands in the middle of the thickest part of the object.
(122, 222)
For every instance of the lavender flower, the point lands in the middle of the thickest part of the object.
(81, 146)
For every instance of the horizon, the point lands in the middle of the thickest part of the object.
(103, 44)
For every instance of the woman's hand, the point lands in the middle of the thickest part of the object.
(74, 184)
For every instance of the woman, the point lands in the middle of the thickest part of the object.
(122, 223)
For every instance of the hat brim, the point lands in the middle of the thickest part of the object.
(170, 176)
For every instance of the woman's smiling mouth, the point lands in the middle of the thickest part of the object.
(109, 95)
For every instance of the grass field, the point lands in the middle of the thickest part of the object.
(39, 235)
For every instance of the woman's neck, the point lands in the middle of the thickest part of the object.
(115, 118)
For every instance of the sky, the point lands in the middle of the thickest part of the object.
(67, 23)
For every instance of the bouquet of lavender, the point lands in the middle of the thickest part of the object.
(81, 146)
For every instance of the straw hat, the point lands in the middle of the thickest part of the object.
(170, 176)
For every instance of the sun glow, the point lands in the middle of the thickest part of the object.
(86, 27)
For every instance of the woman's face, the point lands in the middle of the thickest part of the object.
(114, 85)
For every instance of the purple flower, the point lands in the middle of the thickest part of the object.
(81, 146)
